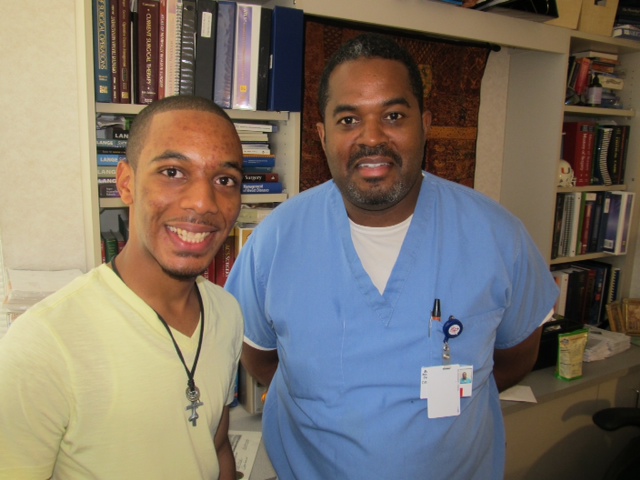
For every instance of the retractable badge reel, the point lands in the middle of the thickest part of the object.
(451, 328)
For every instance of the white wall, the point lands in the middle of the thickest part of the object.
(41, 213)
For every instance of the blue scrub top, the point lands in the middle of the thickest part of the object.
(345, 401)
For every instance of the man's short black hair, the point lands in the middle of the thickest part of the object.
(140, 125)
(370, 45)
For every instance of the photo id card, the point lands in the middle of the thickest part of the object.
(440, 386)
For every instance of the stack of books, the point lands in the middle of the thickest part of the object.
(627, 21)
(112, 134)
(240, 55)
(583, 66)
(259, 162)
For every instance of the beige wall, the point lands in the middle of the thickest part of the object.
(41, 213)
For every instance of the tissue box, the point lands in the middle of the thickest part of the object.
(568, 14)
(598, 16)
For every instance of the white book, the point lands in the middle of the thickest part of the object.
(244, 93)
(562, 280)
(574, 236)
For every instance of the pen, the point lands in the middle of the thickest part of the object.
(435, 313)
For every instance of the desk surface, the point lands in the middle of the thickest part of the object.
(545, 386)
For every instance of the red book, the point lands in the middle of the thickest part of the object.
(582, 78)
(148, 50)
(224, 260)
(578, 147)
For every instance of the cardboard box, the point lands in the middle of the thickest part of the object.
(568, 14)
(598, 16)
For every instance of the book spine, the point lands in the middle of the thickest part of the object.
(114, 14)
(258, 162)
(106, 172)
(262, 187)
(579, 142)
(247, 38)
(162, 49)
(124, 50)
(101, 48)
(111, 143)
(206, 48)
(264, 57)
(108, 190)
(286, 73)
(260, 177)
(224, 260)
(225, 39)
(188, 48)
(148, 44)
(109, 159)
(613, 218)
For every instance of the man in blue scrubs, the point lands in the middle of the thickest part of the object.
(338, 284)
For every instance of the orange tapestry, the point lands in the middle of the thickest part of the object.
(452, 75)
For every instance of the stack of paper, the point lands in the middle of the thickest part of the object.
(603, 344)
(26, 287)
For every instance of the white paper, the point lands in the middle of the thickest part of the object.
(245, 449)
(519, 393)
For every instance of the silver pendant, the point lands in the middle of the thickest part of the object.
(193, 396)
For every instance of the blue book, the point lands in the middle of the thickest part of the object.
(225, 44)
(250, 161)
(287, 47)
(261, 187)
(102, 50)
(110, 159)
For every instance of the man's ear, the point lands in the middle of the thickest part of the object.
(125, 182)
(321, 134)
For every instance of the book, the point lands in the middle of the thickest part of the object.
(246, 51)
(148, 50)
(557, 225)
(253, 215)
(111, 143)
(108, 190)
(581, 80)
(597, 218)
(224, 260)
(188, 48)
(616, 157)
(589, 202)
(612, 82)
(567, 221)
(205, 48)
(241, 233)
(287, 58)
(578, 147)
(171, 59)
(246, 136)
(574, 227)
(110, 245)
(601, 175)
(256, 149)
(260, 177)
(261, 187)
(596, 304)
(114, 15)
(264, 58)
(255, 127)
(596, 54)
(124, 51)
(101, 50)
(250, 161)
(561, 278)
(225, 40)
(109, 159)
(628, 31)
(106, 172)
(618, 222)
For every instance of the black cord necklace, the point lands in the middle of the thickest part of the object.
(192, 392)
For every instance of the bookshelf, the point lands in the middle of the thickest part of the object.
(530, 123)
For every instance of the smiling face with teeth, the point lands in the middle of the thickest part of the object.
(183, 193)
(374, 136)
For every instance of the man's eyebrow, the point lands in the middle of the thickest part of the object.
(179, 157)
(345, 108)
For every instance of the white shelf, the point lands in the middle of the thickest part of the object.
(599, 112)
(134, 109)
